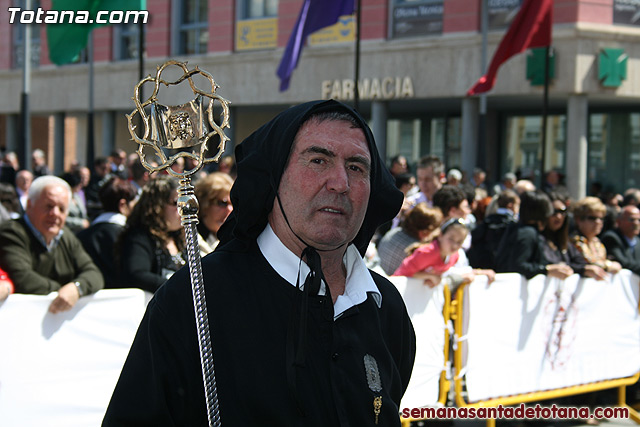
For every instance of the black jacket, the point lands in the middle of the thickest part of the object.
(143, 262)
(521, 251)
(250, 311)
(618, 249)
(486, 238)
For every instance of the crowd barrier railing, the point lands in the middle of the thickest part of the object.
(430, 310)
(514, 341)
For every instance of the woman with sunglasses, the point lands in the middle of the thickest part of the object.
(522, 247)
(558, 248)
(589, 214)
(212, 192)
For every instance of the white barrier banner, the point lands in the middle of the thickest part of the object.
(543, 334)
(60, 369)
(424, 306)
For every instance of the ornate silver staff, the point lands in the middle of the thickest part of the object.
(183, 127)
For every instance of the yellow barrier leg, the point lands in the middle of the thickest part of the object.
(622, 402)
(491, 422)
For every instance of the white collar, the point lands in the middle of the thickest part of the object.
(111, 217)
(285, 263)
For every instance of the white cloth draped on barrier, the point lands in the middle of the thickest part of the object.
(543, 334)
(424, 306)
(60, 369)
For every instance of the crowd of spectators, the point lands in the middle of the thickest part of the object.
(127, 221)
(511, 226)
(114, 226)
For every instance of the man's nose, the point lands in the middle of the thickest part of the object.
(338, 179)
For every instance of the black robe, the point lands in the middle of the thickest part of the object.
(250, 308)
(267, 372)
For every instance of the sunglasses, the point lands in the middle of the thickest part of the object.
(562, 212)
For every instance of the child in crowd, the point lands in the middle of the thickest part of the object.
(430, 261)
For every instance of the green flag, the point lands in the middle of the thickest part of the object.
(66, 40)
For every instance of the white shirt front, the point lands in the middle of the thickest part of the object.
(358, 284)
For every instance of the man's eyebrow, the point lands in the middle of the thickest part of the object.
(361, 160)
(321, 150)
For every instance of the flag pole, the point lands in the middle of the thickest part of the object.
(545, 108)
(482, 125)
(25, 111)
(141, 47)
(90, 141)
(356, 77)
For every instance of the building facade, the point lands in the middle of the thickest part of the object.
(417, 60)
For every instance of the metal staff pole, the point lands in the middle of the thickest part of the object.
(183, 127)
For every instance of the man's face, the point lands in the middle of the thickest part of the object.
(85, 176)
(629, 221)
(461, 211)
(399, 166)
(48, 212)
(325, 187)
(23, 180)
(428, 181)
(102, 169)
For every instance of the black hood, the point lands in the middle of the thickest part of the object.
(261, 160)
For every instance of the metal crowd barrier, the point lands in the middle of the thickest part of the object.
(559, 305)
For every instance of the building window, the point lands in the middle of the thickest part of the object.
(414, 138)
(18, 40)
(414, 18)
(126, 41)
(193, 27)
(251, 9)
(523, 141)
(614, 151)
(501, 13)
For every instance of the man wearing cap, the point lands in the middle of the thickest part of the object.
(302, 333)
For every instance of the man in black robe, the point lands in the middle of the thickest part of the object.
(302, 333)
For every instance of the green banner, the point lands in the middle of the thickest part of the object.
(77, 18)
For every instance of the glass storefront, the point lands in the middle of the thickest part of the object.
(613, 146)
(614, 151)
(523, 142)
(414, 138)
